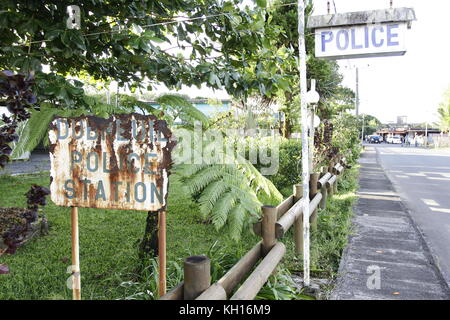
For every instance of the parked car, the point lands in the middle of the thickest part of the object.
(375, 139)
(396, 140)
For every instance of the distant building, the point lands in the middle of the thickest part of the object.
(402, 120)
(408, 131)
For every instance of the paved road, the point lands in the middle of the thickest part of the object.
(386, 257)
(39, 161)
(422, 178)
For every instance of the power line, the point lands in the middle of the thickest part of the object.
(28, 43)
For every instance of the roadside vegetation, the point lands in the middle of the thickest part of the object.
(211, 207)
(108, 242)
(111, 267)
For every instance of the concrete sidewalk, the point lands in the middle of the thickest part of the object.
(385, 246)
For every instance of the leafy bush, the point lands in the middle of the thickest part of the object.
(346, 136)
(290, 168)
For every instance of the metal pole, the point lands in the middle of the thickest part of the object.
(305, 149)
(362, 130)
(311, 138)
(357, 92)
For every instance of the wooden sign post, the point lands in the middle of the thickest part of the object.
(162, 252)
(76, 280)
(118, 163)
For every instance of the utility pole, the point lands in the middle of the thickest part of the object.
(357, 92)
(362, 130)
(305, 147)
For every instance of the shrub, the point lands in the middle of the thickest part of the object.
(290, 167)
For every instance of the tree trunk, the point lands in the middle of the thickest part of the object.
(149, 243)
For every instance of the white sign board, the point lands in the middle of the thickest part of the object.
(118, 163)
(343, 42)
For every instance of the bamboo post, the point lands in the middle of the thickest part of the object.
(330, 185)
(330, 166)
(76, 280)
(225, 286)
(335, 184)
(323, 190)
(174, 294)
(314, 177)
(268, 228)
(298, 224)
(288, 219)
(259, 276)
(162, 252)
(197, 276)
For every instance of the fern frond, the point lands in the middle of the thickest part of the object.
(224, 205)
(187, 170)
(236, 220)
(230, 193)
(210, 195)
(200, 180)
(35, 130)
(186, 110)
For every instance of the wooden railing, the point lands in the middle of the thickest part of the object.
(275, 223)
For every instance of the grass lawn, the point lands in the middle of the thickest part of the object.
(108, 246)
(109, 241)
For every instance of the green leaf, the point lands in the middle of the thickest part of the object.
(283, 84)
(156, 39)
(261, 3)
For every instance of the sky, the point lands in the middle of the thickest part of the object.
(411, 85)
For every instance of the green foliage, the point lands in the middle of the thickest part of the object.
(290, 169)
(109, 257)
(123, 40)
(280, 286)
(36, 128)
(371, 124)
(229, 194)
(444, 113)
(281, 33)
(178, 107)
(346, 136)
(333, 229)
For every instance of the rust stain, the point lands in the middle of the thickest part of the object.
(120, 163)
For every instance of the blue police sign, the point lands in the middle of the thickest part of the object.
(361, 40)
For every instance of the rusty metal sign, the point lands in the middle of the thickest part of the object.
(118, 163)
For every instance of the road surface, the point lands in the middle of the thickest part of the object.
(422, 178)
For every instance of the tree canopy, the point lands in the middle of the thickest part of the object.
(129, 40)
(444, 112)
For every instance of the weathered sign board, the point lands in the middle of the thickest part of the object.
(118, 163)
(361, 34)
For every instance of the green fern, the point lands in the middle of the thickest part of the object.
(228, 194)
(36, 128)
(181, 108)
